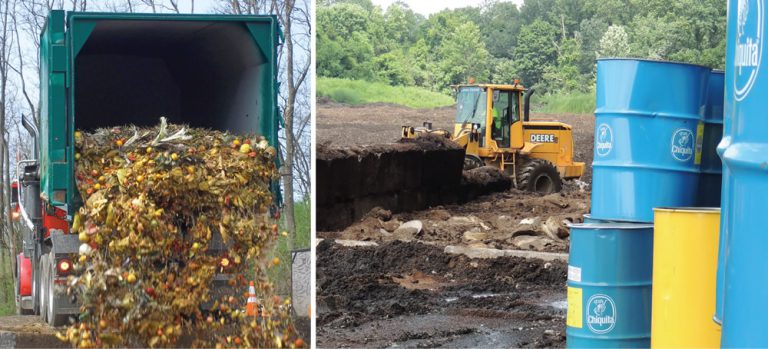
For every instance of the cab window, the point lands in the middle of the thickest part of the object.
(471, 104)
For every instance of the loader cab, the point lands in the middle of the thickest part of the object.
(494, 110)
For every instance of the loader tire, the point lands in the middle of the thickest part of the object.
(539, 176)
(472, 162)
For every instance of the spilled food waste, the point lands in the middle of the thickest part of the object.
(175, 222)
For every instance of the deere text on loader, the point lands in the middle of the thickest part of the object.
(493, 126)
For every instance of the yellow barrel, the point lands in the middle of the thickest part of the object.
(684, 276)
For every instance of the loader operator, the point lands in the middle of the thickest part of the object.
(497, 122)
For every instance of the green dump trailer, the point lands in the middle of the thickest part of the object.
(108, 69)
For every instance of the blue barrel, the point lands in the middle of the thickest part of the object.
(745, 290)
(647, 137)
(730, 53)
(588, 219)
(610, 272)
(711, 167)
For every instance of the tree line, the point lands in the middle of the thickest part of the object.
(549, 44)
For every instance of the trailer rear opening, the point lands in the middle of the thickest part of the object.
(201, 73)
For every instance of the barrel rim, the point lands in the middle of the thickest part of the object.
(653, 61)
(611, 225)
(687, 209)
(611, 220)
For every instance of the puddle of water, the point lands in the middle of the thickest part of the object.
(451, 299)
(485, 295)
(559, 304)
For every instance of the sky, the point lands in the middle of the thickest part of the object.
(427, 8)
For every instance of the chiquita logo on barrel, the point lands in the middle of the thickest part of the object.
(682, 144)
(604, 140)
(749, 46)
(601, 314)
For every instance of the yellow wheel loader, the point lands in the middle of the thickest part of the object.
(493, 127)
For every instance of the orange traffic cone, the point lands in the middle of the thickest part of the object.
(250, 306)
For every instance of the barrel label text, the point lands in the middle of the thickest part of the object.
(749, 46)
(604, 140)
(574, 273)
(601, 314)
(683, 144)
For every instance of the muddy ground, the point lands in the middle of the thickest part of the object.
(409, 294)
(406, 292)
(506, 220)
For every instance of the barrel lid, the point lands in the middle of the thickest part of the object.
(688, 209)
(651, 61)
(610, 225)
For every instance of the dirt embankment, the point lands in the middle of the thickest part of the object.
(411, 174)
(414, 295)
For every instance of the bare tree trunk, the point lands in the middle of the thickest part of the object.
(4, 64)
(236, 7)
(290, 220)
(174, 5)
(151, 4)
(20, 70)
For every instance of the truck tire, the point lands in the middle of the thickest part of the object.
(36, 286)
(539, 176)
(52, 314)
(43, 281)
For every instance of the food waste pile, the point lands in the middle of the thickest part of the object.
(156, 203)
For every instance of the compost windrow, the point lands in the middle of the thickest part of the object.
(156, 203)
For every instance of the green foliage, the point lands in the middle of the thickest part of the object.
(281, 274)
(535, 50)
(549, 44)
(7, 303)
(565, 76)
(464, 57)
(614, 43)
(363, 92)
(579, 102)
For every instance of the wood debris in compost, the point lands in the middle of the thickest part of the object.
(153, 202)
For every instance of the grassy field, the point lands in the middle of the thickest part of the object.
(357, 92)
(580, 103)
(7, 303)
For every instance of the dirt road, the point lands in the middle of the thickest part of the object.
(27, 332)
